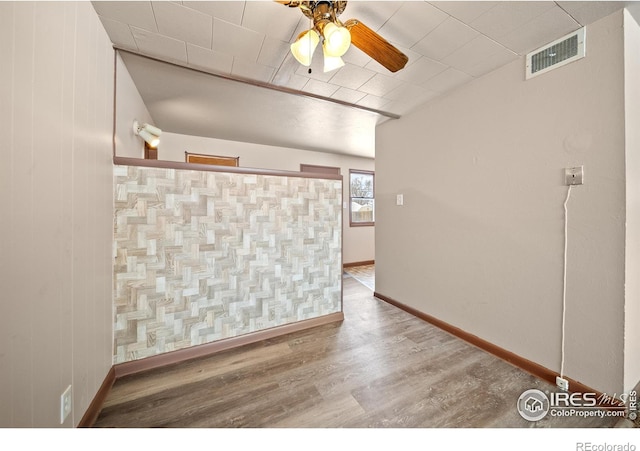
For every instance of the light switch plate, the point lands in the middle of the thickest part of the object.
(400, 199)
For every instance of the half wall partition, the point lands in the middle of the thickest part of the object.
(204, 254)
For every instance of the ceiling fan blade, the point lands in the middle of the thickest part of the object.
(376, 46)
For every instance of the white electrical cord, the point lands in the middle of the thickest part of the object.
(564, 279)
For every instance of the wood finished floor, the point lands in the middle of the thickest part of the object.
(365, 274)
(380, 368)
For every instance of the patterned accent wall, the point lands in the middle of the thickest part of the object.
(202, 256)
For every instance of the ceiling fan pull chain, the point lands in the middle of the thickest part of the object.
(311, 26)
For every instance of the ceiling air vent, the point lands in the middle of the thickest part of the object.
(560, 52)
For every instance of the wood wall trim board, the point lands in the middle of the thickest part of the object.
(530, 367)
(322, 169)
(150, 153)
(364, 263)
(165, 164)
(115, 103)
(91, 415)
(217, 160)
(182, 355)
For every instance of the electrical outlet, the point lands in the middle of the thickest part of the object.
(65, 404)
(574, 176)
(562, 383)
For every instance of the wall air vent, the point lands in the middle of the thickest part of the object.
(560, 52)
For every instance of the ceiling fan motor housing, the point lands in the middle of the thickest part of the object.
(323, 9)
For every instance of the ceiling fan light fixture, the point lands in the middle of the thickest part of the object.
(337, 39)
(331, 62)
(337, 36)
(302, 50)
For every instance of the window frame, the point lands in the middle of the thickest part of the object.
(353, 223)
(316, 169)
(215, 160)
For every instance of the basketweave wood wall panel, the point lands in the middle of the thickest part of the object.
(202, 256)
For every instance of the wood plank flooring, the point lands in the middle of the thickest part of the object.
(365, 274)
(380, 368)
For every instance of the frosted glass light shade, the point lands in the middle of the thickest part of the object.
(331, 62)
(302, 50)
(337, 39)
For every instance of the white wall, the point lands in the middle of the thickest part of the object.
(56, 198)
(632, 136)
(129, 108)
(479, 242)
(358, 243)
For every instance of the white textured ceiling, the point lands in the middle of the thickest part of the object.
(448, 44)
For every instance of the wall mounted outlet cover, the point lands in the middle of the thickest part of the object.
(65, 404)
(574, 176)
(562, 383)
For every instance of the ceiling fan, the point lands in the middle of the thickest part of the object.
(337, 37)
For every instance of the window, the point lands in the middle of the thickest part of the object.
(319, 169)
(361, 196)
(211, 159)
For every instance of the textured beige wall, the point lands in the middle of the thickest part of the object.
(359, 242)
(129, 108)
(56, 198)
(203, 256)
(632, 135)
(479, 242)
